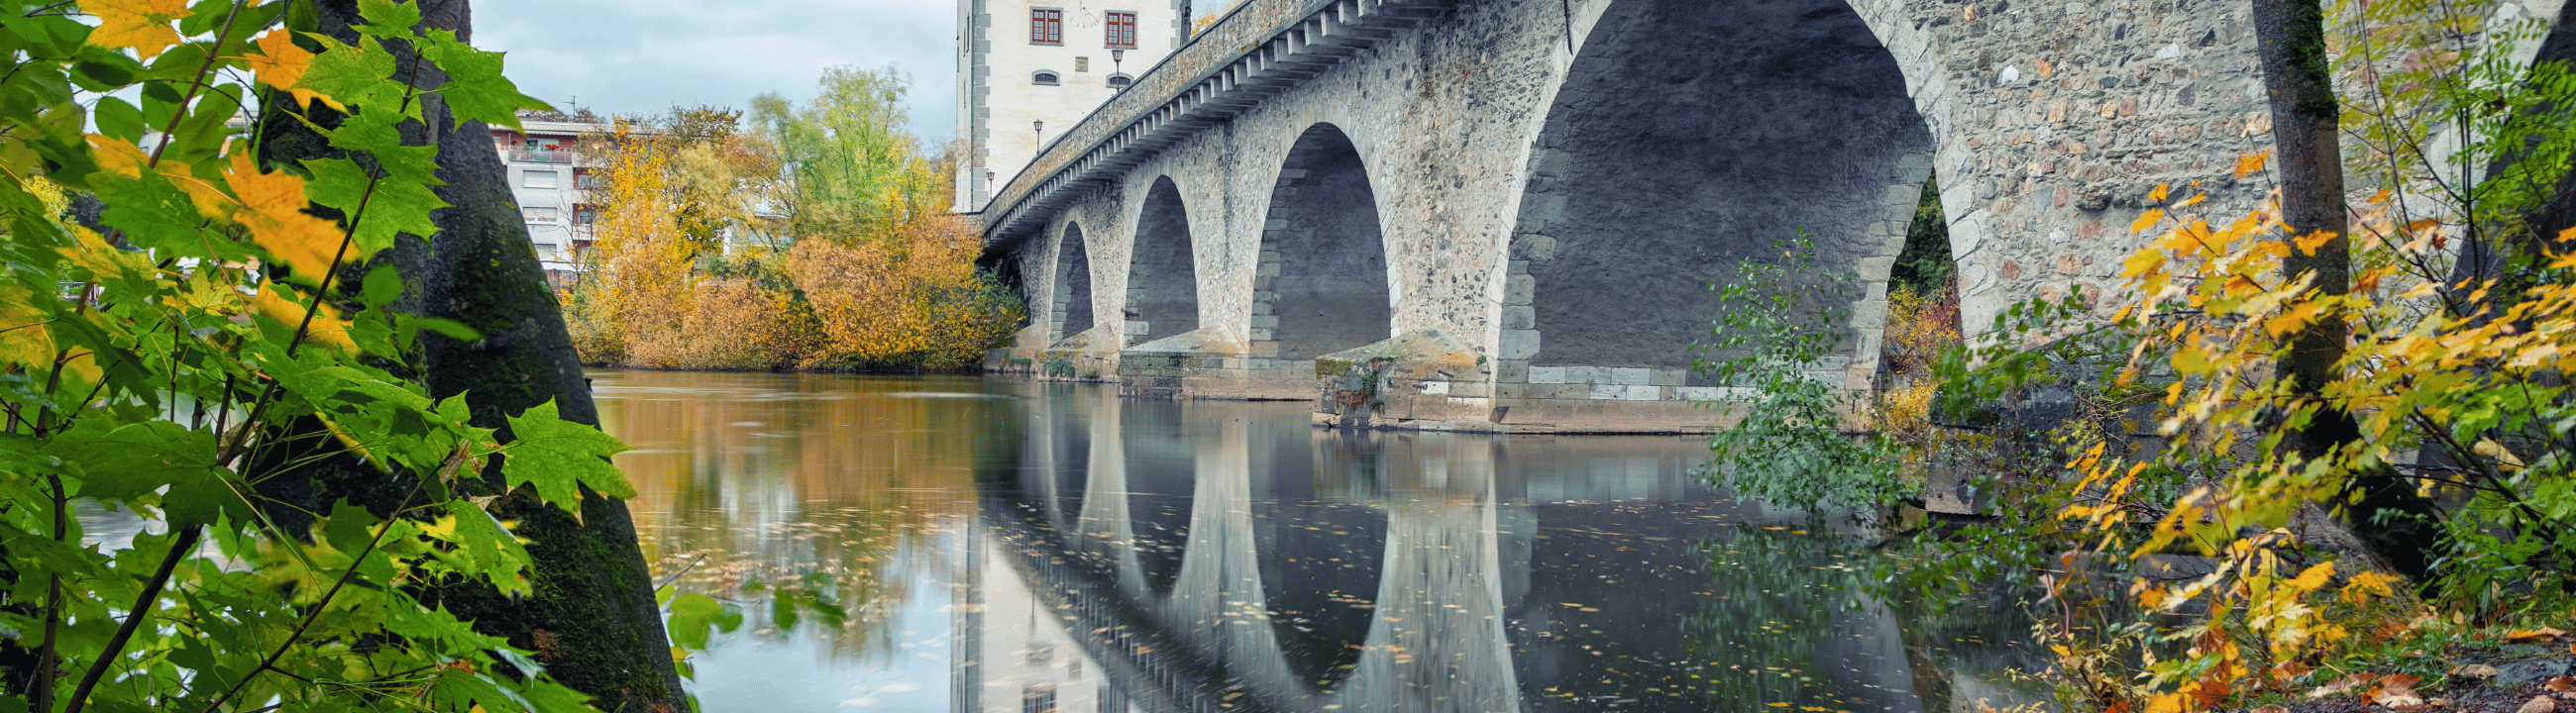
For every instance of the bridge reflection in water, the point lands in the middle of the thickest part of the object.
(1155, 555)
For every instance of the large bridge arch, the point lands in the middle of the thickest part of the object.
(1070, 308)
(1162, 272)
(1321, 283)
(1687, 137)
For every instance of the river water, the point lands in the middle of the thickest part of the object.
(1014, 546)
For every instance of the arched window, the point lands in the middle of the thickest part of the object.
(1043, 78)
(1119, 81)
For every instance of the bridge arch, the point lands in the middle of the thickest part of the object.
(1321, 282)
(1162, 272)
(1688, 137)
(1070, 310)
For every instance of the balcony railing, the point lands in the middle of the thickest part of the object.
(541, 156)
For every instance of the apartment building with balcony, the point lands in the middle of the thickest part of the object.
(551, 184)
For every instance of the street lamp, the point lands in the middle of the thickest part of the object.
(1114, 57)
(1040, 126)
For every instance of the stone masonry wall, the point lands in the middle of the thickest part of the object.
(2048, 121)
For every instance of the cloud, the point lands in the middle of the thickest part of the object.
(645, 56)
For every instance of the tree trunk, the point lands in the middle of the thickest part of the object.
(592, 619)
(2298, 81)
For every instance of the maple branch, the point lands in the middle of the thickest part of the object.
(268, 664)
(45, 668)
(179, 550)
(348, 235)
(198, 82)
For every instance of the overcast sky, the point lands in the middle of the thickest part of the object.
(644, 56)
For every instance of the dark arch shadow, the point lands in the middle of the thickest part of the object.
(1321, 285)
(1694, 135)
(1071, 314)
(1162, 275)
(1322, 545)
(1057, 468)
(1162, 475)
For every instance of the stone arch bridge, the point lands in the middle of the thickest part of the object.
(1518, 204)
(1199, 560)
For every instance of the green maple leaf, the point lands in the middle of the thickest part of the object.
(379, 134)
(354, 74)
(134, 462)
(483, 546)
(386, 18)
(552, 455)
(476, 89)
(156, 215)
(397, 206)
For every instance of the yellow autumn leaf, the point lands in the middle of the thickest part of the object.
(141, 24)
(281, 64)
(2148, 260)
(2196, 198)
(272, 208)
(2191, 361)
(2313, 577)
(2309, 243)
(2151, 598)
(327, 327)
(2158, 193)
(2490, 448)
(94, 253)
(2147, 220)
(2293, 319)
(2252, 163)
(118, 157)
(27, 346)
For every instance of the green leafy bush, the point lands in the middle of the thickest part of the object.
(1777, 336)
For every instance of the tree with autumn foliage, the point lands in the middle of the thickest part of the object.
(815, 238)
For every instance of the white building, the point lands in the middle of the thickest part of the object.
(549, 185)
(1027, 70)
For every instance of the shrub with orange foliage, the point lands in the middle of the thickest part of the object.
(914, 300)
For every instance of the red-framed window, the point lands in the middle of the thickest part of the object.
(1122, 29)
(1046, 26)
